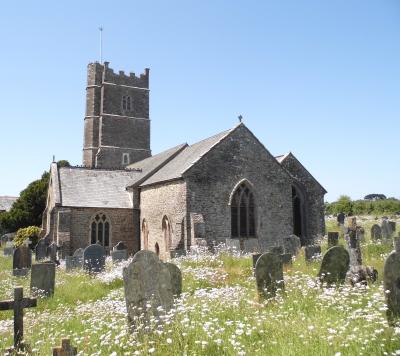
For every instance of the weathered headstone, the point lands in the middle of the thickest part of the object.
(392, 227)
(119, 255)
(334, 266)
(120, 246)
(354, 249)
(312, 252)
(22, 261)
(269, 275)
(391, 280)
(176, 278)
(376, 232)
(251, 245)
(73, 262)
(148, 288)
(386, 230)
(41, 250)
(52, 253)
(94, 258)
(8, 249)
(333, 238)
(292, 244)
(233, 245)
(18, 305)
(66, 349)
(341, 218)
(43, 277)
(79, 253)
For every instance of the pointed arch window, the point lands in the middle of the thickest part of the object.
(166, 229)
(100, 230)
(243, 222)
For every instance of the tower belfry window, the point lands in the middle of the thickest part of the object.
(126, 103)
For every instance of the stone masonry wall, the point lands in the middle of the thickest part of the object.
(157, 201)
(315, 198)
(211, 181)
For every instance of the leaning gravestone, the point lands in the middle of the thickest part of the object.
(376, 232)
(43, 276)
(312, 252)
(176, 278)
(334, 266)
(149, 291)
(292, 244)
(41, 250)
(269, 275)
(94, 258)
(391, 279)
(22, 261)
(333, 238)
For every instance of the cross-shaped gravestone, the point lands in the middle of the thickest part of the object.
(18, 305)
(65, 350)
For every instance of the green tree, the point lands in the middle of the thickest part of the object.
(344, 205)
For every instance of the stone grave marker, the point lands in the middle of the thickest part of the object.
(333, 238)
(391, 281)
(66, 349)
(94, 258)
(354, 249)
(251, 245)
(73, 262)
(18, 305)
(233, 244)
(269, 275)
(312, 252)
(386, 230)
(292, 244)
(22, 261)
(341, 218)
(149, 291)
(41, 250)
(52, 253)
(176, 278)
(119, 255)
(43, 277)
(120, 246)
(79, 254)
(8, 249)
(376, 232)
(334, 266)
(392, 227)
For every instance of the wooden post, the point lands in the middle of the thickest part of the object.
(18, 305)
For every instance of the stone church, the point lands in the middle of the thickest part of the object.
(227, 186)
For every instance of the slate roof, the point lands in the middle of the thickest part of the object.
(6, 202)
(83, 187)
(185, 159)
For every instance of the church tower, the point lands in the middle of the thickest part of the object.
(117, 124)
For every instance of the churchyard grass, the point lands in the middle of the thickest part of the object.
(218, 312)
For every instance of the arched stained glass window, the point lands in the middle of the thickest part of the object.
(243, 221)
(100, 230)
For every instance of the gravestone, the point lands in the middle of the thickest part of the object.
(176, 278)
(292, 244)
(269, 275)
(41, 250)
(18, 305)
(148, 288)
(73, 262)
(312, 252)
(233, 245)
(52, 253)
(66, 349)
(94, 258)
(334, 266)
(79, 253)
(391, 280)
(251, 245)
(376, 232)
(392, 227)
(8, 249)
(386, 230)
(22, 261)
(43, 276)
(120, 246)
(341, 218)
(354, 249)
(119, 255)
(333, 238)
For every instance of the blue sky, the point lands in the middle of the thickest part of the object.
(318, 78)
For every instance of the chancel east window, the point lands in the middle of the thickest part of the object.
(243, 222)
(100, 230)
(126, 103)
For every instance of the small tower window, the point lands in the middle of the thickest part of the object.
(126, 103)
(125, 158)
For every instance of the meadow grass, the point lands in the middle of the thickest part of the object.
(219, 312)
